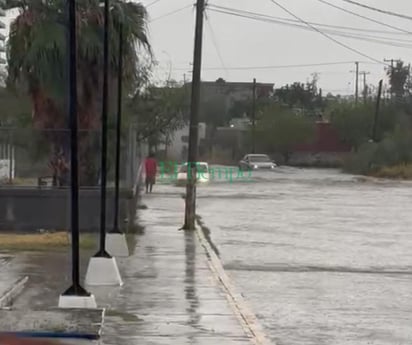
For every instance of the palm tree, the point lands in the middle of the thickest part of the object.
(37, 60)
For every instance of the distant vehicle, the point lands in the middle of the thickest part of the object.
(256, 162)
(202, 173)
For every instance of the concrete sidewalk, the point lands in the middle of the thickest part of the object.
(170, 294)
(170, 287)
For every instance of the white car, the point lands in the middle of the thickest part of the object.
(202, 173)
(256, 162)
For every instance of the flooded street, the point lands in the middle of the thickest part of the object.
(322, 257)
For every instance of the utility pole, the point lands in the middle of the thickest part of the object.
(254, 117)
(392, 67)
(356, 82)
(375, 123)
(391, 61)
(190, 209)
(365, 86)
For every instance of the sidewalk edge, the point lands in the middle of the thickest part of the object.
(246, 317)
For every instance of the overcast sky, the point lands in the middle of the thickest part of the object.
(245, 42)
(248, 43)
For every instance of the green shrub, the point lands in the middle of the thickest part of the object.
(394, 150)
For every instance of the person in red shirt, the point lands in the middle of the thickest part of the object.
(151, 170)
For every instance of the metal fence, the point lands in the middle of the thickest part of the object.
(29, 156)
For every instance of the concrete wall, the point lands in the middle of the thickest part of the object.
(320, 159)
(30, 209)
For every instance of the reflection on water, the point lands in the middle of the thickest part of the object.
(190, 279)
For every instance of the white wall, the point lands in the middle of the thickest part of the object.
(10, 16)
(176, 149)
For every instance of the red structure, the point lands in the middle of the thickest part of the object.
(326, 140)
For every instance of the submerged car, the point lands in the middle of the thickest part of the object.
(202, 173)
(256, 162)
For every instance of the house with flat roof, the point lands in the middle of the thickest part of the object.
(233, 92)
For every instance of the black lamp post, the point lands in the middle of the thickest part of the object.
(76, 289)
(116, 229)
(102, 253)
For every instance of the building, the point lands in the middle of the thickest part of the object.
(326, 140)
(2, 34)
(233, 92)
(6, 18)
(177, 148)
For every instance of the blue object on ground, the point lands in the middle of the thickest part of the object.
(53, 335)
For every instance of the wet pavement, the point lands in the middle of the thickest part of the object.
(170, 288)
(169, 296)
(323, 258)
(5, 261)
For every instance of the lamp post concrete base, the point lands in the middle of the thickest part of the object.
(77, 302)
(103, 272)
(117, 245)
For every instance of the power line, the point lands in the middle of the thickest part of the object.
(326, 35)
(171, 13)
(349, 28)
(152, 3)
(214, 41)
(364, 17)
(378, 9)
(374, 39)
(250, 68)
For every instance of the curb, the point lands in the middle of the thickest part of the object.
(11, 294)
(246, 317)
(72, 323)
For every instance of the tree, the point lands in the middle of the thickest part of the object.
(245, 107)
(159, 111)
(300, 95)
(280, 130)
(15, 109)
(37, 59)
(399, 77)
(214, 111)
(354, 123)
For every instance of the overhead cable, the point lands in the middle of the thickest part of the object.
(395, 42)
(344, 45)
(365, 17)
(390, 13)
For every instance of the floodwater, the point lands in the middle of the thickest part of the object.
(323, 258)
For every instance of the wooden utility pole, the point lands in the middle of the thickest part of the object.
(190, 209)
(391, 61)
(365, 86)
(356, 71)
(357, 83)
(254, 117)
(392, 67)
(375, 122)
